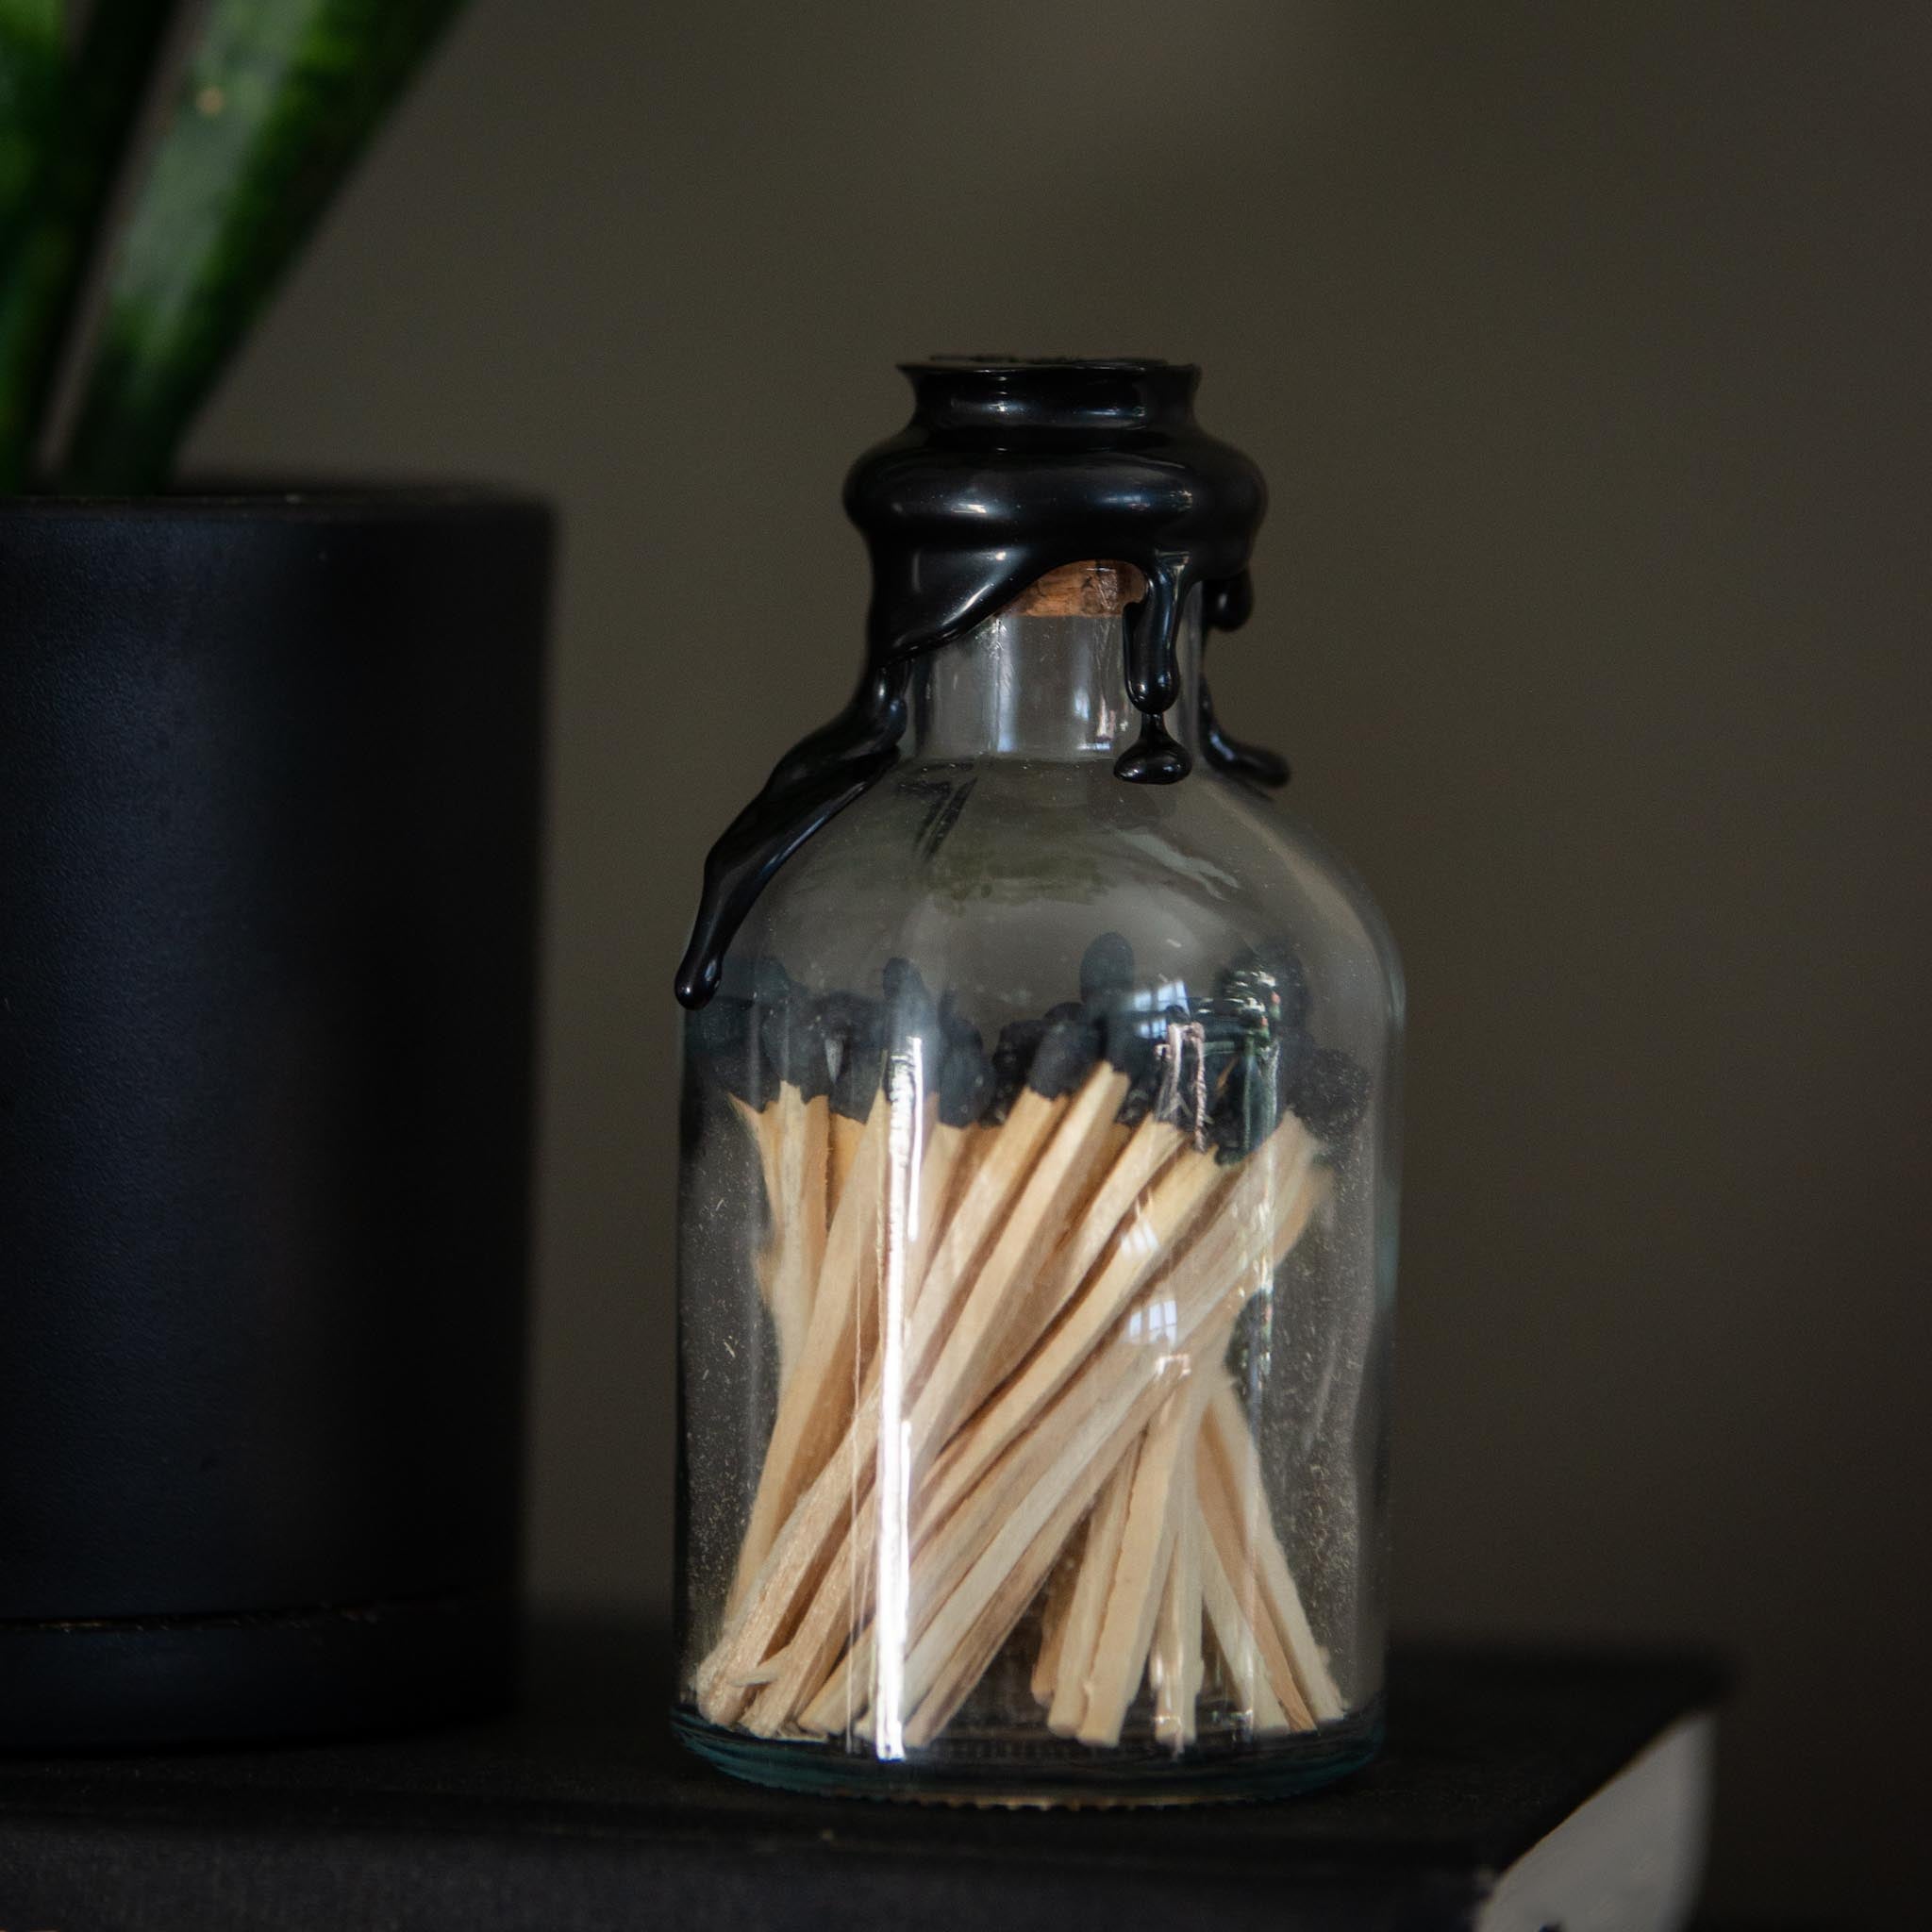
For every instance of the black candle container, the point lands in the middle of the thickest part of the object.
(270, 783)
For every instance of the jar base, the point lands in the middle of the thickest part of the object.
(1007, 1772)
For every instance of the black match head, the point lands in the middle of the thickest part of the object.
(1107, 971)
(1268, 981)
(966, 1076)
(1066, 1053)
(1106, 992)
(1248, 1106)
(847, 1016)
(909, 1000)
(1224, 1037)
(1124, 1040)
(1012, 1056)
(909, 1017)
(1143, 1088)
(1191, 1058)
(854, 1028)
(792, 1030)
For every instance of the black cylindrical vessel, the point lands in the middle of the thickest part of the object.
(270, 805)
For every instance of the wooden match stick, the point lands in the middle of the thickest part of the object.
(1034, 1473)
(953, 1651)
(1063, 1172)
(972, 1493)
(771, 1052)
(1198, 1294)
(1204, 1285)
(1242, 1625)
(1234, 1638)
(760, 1619)
(945, 1057)
(1151, 1241)
(1140, 1161)
(952, 1179)
(761, 1124)
(1008, 1158)
(1064, 1158)
(1095, 1703)
(945, 1547)
(1139, 1575)
(1137, 1246)
(812, 1413)
(798, 1251)
(767, 1622)
(949, 1158)
(1099, 1229)
(952, 1147)
(1105, 1528)
(935, 1695)
(1175, 1667)
(853, 1031)
(1237, 1465)
(847, 1136)
(1056, 1602)
(1134, 1254)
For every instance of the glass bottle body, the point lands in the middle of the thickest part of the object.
(1037, 1248)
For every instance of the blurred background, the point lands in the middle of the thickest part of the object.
(1585, 352)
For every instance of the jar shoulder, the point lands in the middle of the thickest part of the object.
(993, 878)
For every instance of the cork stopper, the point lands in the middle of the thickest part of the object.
(1080, 589)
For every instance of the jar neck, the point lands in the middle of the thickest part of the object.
(1042, 688)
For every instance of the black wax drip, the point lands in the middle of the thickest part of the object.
(1227, 605)
(1006, 470)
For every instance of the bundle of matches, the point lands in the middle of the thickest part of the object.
(1004, 1326)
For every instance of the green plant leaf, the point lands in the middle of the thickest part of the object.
(278, 101)
(33, 91)
(64, 124)
(33, 75)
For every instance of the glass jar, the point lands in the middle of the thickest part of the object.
(1037, 1244)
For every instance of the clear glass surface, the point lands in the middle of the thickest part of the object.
(1037, 1248)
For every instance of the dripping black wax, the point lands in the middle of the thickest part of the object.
(1009, 470)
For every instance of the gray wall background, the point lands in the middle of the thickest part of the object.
(1584, 349)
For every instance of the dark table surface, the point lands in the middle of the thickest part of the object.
(577, 1811)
